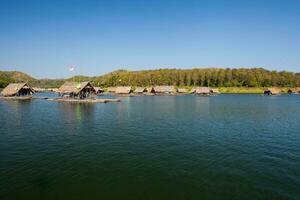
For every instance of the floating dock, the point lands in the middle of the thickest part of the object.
(85, 100)
(17, 98)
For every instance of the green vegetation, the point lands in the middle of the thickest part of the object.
(212, 77)
(242, 90)
(228, 80)
(47, 83)
(7, 77)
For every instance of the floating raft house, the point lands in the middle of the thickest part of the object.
(17, 90)
(140, 90)
(123, 90)
(182, 90)
(203, 91)
(165, 89)
(271, 91)
(79, 90)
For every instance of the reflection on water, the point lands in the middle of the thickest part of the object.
(15, 112)
(74, 115)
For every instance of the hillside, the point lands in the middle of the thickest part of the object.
(213, 77)
(7, 77)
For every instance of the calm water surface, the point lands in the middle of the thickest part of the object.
(183, 147)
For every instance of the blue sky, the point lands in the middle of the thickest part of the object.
(44, 38)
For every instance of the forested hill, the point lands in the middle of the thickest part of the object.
(7, 77)
(213, 77)
(13, 76)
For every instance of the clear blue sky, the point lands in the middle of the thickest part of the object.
(44, 38)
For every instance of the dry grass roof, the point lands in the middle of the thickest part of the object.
(75, 87)
(140, 90)
(123, 90)
(203, 90)
(13, 88)
(215, 90)
(273, 90)
(182, 90)
(98, 89)
(164, 89)
(193, 90)
(150, 89)
(111, 89)
(295, 90)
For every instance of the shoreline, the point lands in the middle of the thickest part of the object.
(222, 90)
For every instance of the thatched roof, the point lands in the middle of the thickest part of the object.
(150, 89)
(215, 90)
(273, 90)
(182, 90)
(164, 89)
(193, 90)
(75, 87)
(140, 90)
(98, 89)
(295, 90)
(13, 88)
(111, 89)
(123, 90)
(203, 90)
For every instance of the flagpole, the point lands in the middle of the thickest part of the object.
(72, 70)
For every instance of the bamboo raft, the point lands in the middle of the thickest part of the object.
(22, 98)
(85, 100)
(17, 98)
(39, 97)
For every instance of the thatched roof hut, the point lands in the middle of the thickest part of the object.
(271, 91)
(203, 91)
(294, 90)
(215, 91)
(77, 89)
(111, 89)
(98, 90)
(182, 90)
(17, 89)
(140, 90)
(150, 90)
(123, 90)
(192, 91)
(165, 89)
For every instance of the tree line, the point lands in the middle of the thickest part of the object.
(212, 77)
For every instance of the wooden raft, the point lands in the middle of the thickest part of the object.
(85, 100)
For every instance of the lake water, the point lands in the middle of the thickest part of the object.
(169, 147)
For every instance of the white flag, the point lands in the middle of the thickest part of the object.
(71, 69)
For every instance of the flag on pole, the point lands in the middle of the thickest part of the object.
(71, 69)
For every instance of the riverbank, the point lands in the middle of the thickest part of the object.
(248, 90)
(224, 90)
